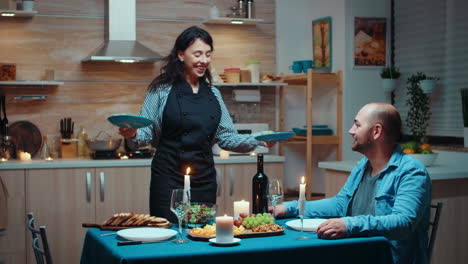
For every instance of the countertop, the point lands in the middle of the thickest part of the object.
(438, 171)
(90, 163)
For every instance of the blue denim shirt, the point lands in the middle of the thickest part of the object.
(402, 207)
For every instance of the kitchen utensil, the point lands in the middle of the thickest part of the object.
(67, 127)
(26, 137)
(129, 121)
(108, 144)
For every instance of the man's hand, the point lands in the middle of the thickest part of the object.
(332, 229)
(280, 210)
(268, 144)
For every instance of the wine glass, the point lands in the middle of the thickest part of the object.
(275, 192)
(301, 204)
(179, 206)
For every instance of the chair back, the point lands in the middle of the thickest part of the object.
(42, 254)
(434, 224)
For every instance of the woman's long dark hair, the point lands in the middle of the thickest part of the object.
(173, 69)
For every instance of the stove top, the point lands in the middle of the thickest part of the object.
(138, 154)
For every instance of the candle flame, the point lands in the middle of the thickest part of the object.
(187, 171)
(225, 215)
(302, 180)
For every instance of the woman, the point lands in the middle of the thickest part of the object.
(189, 116)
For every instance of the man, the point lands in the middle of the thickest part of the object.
(387, 194)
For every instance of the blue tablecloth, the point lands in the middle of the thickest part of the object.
(275, 249)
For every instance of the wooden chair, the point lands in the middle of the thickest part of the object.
(42, 255)
(433, 225)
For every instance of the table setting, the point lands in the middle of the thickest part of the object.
(242, 238)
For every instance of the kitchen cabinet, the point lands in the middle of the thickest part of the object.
(235, 182)
(13, 239)
(309, 81)
(63, 199)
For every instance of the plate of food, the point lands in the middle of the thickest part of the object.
(147, 234)
(270, 136)
(129, 121)
(309, 224)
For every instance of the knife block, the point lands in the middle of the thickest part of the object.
(68, 148)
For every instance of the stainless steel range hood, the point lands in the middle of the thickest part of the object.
(120, 44)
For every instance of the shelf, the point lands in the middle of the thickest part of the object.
(30, 83)
(251, 84)
(301, 79)
(316, 140)
(17, 13)
(233, 21)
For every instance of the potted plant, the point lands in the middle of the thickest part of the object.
(417, 120)
(464, 97)
(428, 84)
(389, 75)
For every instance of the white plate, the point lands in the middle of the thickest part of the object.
(309, 224)
(234, 241)
(147, 234)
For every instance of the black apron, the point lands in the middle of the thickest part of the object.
(188, 126)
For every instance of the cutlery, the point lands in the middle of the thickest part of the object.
(108, 234)
(126, 243)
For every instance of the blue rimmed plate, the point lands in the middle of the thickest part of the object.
(273, 137)
(129, 121)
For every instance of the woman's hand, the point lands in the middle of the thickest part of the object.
(268, 144)
(127, 132)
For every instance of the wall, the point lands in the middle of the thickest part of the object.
(65, 32)
(294, 42)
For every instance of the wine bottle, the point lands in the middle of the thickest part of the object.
(259, 189)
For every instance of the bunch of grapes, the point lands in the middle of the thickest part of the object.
(258, 219)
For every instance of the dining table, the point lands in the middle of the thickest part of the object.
(282, 248)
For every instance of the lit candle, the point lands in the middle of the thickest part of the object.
(253, 154)
(224, 154)
(241, 207)
(187, 185)
(3, 160)
(49, 159)
(302, 188)
(224, 229)
(124, 157)
(24, 156)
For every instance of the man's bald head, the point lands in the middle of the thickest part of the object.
(386, 115)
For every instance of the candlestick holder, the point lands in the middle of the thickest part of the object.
(302, 236)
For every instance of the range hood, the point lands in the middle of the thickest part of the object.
(120, 44)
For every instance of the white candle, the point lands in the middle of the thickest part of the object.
(24, 156)
(241, 207)
(224, 154)
(224, 229)
(302, 188)
(186, 184)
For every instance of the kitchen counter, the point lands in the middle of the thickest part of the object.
(86, 163)
(436, 171)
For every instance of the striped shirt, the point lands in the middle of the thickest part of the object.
(226, 135)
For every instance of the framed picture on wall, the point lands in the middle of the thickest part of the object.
(322, 43)
(370, 44)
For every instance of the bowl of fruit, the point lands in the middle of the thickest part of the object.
(201, 214)
(254, 220)
(421, 152)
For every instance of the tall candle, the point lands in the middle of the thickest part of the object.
(187, 185)
(187, 179)
(241, 207)
(302, 188)
(224, 229)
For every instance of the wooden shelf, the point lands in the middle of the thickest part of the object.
(301, 79)
(17, 13)
(30, 83)
(232, 21)
(251, 84)
(316, 140)
(309, 81)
